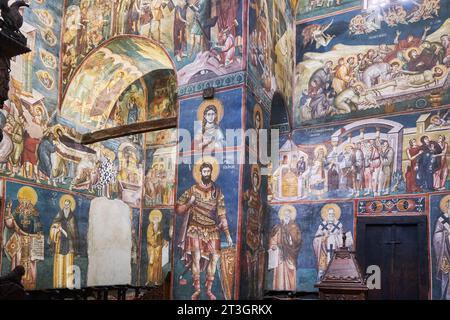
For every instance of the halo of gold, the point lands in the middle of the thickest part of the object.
(435, 117)
(255, 167)
(316, 150)
(406, 55)
(359, 83)
(400, 62)
(255, 110)
(56, 128)
(40, 108)
(65, 197)
(207, 103)
(335, 207)
(215, 171)
(348, 145)
(443, 205)
(27, 193)
(292, 210)
(444, 71)
(155, 213)
(41, 74)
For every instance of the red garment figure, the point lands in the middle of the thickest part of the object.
(413, 152)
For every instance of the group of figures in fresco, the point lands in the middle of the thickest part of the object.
(393, 15)
(369, 164)
(357, 77)
(287, 243)
(24, 242)
(30, 236)
(186, 27)
(271, 48)
(356, 81)
(36, 148)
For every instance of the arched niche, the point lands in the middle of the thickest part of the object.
(121, 65)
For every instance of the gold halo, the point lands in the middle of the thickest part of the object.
(65, 197)
(256, 168)
(359, 83)
(155, 213)
(434, 118)
(207, 103)
(335, 207)
(256, 109)
(444, 71)
(406, 55)
(215, 171)
(40, 108)
(56, 128)
(444, 203)
(318, 148)
(400, 62)
(348, 145)
(290, 208)
(27, 193)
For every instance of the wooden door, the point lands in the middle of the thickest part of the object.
(398, 245)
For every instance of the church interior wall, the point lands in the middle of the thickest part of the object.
(331, 120)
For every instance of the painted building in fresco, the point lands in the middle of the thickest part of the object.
(359, 93)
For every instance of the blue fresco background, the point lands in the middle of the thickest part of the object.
(309, 218)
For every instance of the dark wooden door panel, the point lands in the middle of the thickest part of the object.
(398, 246)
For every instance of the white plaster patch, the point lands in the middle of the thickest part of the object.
(109, 243)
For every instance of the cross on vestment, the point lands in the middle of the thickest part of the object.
(445, 219)
(325, 227)
(330, 250)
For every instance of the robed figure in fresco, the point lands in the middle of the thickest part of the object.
(205, 218)
(441, 245)
(25, 224)
(154, 248)
(210, 136)
(285, 242)
(254, 236)
(328, 237)
(64, 240)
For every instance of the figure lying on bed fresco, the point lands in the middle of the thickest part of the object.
(349, 79)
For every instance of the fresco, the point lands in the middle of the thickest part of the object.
(257, 118)
(208, 120)
(33, 235)
(48, 242)
(157, 233)
(314, 8)
(308, 234)
(271, 53)
(439, 231)
(34, 148)
(135, 247)
(253, 255)
(105, 75)
(204, 38)
(159, 187)
(35, 75)
(394, 67)
(206, 210)
(161, 138)
(366, 158)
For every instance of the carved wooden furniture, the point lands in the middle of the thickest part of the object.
(343, 279)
